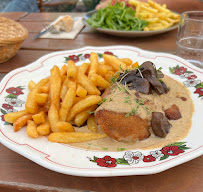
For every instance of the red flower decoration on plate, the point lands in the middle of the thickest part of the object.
(74, 58)
(180, 71)
(108, 53)
(199, 91)
(7, 106)
(2, 118)
(14, 91)
(192, 77)
(86, 56)
(106, 161)
(171, 151)
(149, 158)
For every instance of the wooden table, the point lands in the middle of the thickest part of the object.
(19, 173)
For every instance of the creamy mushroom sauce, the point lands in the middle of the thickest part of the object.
(179, 130)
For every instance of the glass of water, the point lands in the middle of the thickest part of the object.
(190, 37)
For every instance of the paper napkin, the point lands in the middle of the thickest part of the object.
(77, 27)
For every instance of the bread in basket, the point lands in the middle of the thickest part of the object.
(12, 34)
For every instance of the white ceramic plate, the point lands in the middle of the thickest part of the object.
(74, 161)
(127, 33)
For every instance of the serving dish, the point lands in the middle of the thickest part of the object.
(126, 33)
(82, 162)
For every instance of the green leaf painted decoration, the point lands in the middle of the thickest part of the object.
(164, 157)
(171, 70)
(11, 96)
(122, 161)
(3, 111)
(176, 144)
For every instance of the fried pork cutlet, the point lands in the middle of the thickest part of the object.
(120, 128)
(117, 123)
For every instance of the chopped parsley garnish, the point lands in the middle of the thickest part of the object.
(127, 114)
(128, 100)
(120, 149)
(89, 145)
(91, 112)
(102, 101)
(110, 99)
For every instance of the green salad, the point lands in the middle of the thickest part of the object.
(117, 17)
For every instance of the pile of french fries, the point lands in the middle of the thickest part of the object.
(158, 16)
(57, 105)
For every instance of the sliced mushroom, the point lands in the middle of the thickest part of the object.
(160, 124)
(141, 85)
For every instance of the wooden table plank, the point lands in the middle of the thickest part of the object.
(48, 17)
(183, 178)
(163, 42)
(22, 58)
(34, 27)
(17, 16)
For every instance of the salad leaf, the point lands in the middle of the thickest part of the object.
(117, 17)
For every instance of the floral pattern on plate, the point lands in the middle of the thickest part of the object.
(131, 158)
(11, 101)
(83, 57)
(191, 80)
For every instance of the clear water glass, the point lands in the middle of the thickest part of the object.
(190, 37)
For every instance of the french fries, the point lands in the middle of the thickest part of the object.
(99, 81)
(81, 117)
(158, 16)
(67, 104)
(84, 68)
(31, 85)
(72, 70)
(31, 103)
(87, 84)
(44, 128)
(80, 91)
(41, 98)
(53, 117)
(55, 86)
(11, 117)
(91, 123)
(94, 64)
(114, 62)
(21, 122)
(74, 137)
(63, 70)
(58, 104)
(64, 126)
(81, 105)
(39, 118)
(31, 129)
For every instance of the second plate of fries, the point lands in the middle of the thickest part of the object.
(160, 20)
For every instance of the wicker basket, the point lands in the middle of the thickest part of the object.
(12, 34)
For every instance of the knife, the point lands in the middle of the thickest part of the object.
(41, 33)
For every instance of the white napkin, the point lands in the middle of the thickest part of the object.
(77, 27)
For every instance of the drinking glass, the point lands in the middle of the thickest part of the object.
(190, 37)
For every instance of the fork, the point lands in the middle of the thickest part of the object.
(47, 28)
(52, 29)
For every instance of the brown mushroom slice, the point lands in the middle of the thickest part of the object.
(141, 85)
(173, 113)
(160, 124)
